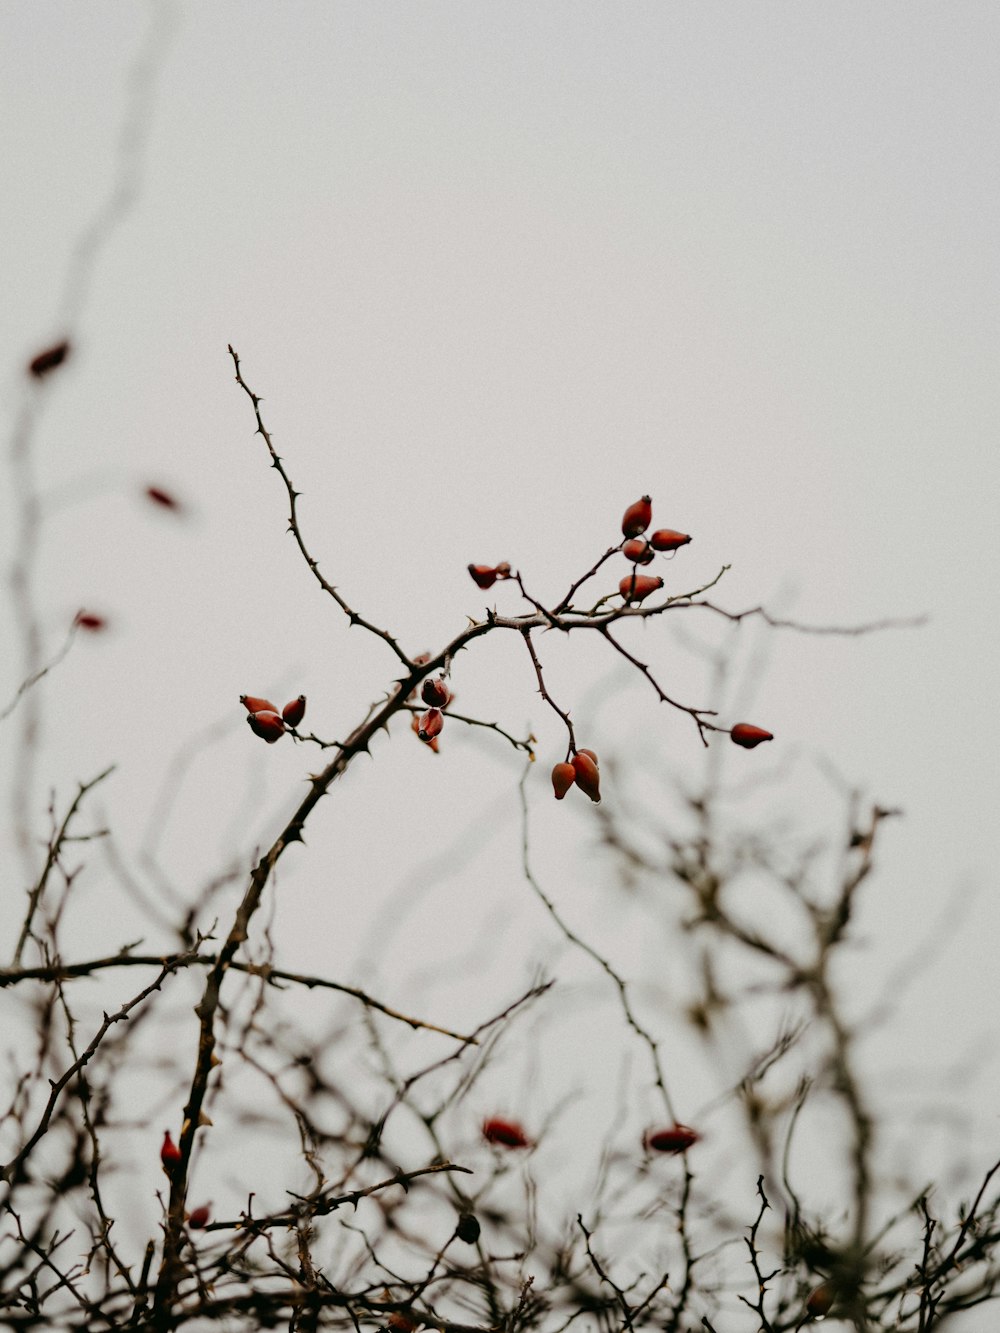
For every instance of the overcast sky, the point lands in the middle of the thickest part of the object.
(498, 269)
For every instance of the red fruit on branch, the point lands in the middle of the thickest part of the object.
(486, 575)
(294, 711)
(198, 1217)
(673, 1139)
(435, 692)
(586, 774)
(590, 755)
(507, 1133)
(267, 725)
(637, 517)
(563, 777)
(430, 724)
(747, 735)
(432, 744)
(39, 366)
(666, 539)
(254, 705)
(635, 587)
(639, 551)
(90, 621)
(170, 1154)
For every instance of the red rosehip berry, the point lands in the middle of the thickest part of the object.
(636, 587)
(170, 1154)
(429, 724)
(507, 1133)
(435, 692)
(638, 550)
(294, 711)
(432, 744)
(637, 517)
(486, 575)
(820, 1300)
(254, 705)
(267, 725)
(198, 1217)
(39, 366)
(676, 1138)
(666, 539)
(748, 735)
(590, 755)
(90, 621)
(563, 777)
(586, 775)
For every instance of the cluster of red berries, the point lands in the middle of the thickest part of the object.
(642, 550)
(582, 771)
(435, 693)
(265, 720)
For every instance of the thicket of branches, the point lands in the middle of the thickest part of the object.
(388, 1222)
(403, 1207)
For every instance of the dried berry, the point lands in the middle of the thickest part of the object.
(586, 774)
(666, 539)
(40, 365)
(267, 725)
(90, 621)
(467, 1228)
(747, 735)
(675, 1138)
(563, 777)
(638, 550)
(637, 517)
(430, 724)
(634, 587)
(170, 1154)
(254, 705)
(432, 744)
(158, 496)
(486, 575)
(294, 711)
(435, 692)
(507, 1133)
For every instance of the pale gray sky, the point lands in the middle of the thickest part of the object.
(497, 270)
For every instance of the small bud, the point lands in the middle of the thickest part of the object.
(637, 517)
(748, 736)
(432, 744)
(506, 1133)
(635, 587)
(198, 1217)
(170, 1154)
(638, 550)
(267, 725)
(467, 1228)
(430, 724)
(294, 711)
(563, 777)
(820, 1300)
(40, 365)
(586, 775)
(254, 705)
(158, 496)
(435, 692)
(90, 621)
(677, 1138)
(666, 539)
